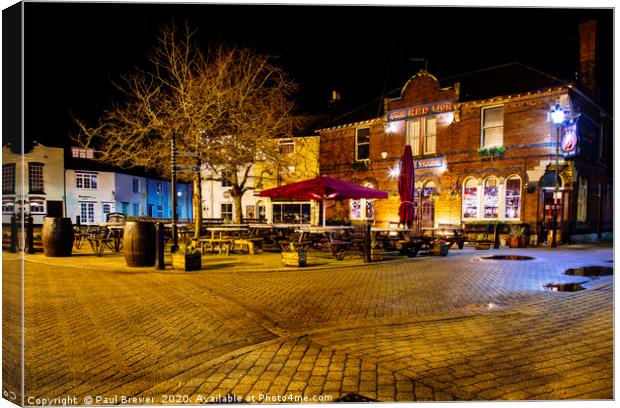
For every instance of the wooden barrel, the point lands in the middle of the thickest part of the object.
(57, 236)
(139, 243)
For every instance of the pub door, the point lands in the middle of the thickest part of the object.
(562, 201)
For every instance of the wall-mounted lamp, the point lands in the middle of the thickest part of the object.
(383, 155)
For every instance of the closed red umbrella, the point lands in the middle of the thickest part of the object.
(406, 189)
(323, 188)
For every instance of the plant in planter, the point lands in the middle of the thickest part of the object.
(376, 252)
(440, 247)
(294, 255)
(187, 258)
(482, 242)
(516, 237)
(492, 153)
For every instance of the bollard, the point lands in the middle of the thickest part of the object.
(14, 238)
(159, 247)
(77, 220)
(30, 234)
(367, 242)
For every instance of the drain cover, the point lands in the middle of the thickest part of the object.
(353, 397)
(564, 287)
(509, 257)
(590, 271)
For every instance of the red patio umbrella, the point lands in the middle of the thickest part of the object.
(322, 188)
(406, 189)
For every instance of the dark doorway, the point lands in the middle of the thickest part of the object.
(55, 209)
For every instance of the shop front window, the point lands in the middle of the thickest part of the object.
(291, 213)
(363, 209)
(513, 197)
(490, 198)
(470, 199)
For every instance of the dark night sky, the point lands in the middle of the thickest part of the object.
(74, 50)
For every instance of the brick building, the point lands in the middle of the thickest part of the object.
(485, 150)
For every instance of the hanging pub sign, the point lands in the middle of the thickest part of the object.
(421, 110)
(428, 163)
(570, 139)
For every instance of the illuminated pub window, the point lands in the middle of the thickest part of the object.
(363, 209)
(492, 126)
(490, 198)
(582, 200)
(362, 144)
(37, 205)
(513, 197)
(292, 213)
(430, 135)
(413, 136)
(470, 198)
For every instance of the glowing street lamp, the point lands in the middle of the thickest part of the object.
(557, 117)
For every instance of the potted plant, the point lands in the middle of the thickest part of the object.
(376, 252)
(294, 255)
(516, 237)
(482, 242)
(440, 247)
(187, 258)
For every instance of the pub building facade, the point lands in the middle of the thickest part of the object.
(484, 151)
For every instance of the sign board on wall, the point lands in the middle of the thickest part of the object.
(421, 110)
(428, 163)
(570, 139)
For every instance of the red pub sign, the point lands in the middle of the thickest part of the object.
(421, 110)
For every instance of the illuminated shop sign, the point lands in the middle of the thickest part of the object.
(428, 163)
(421, 110)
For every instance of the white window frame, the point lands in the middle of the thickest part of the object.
(501, 199)
(36, 176)
(477, 200)
(82, 153)
(519, 197)
(430, 148)
(366, 206)
(81, 177)
(358, 144)
(87, 212)
(413, 136)
(8, 206)
(38, 203)
(135, 185)
(8, 178)
(286, 146)
(421, 136)
(483, 128)
(230, 214)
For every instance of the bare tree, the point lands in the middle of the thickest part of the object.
(227, 106)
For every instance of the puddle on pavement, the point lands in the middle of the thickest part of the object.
(509, 257)
(590, 271)
(353, 397)
(564, 287)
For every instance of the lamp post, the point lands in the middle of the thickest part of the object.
(557, 117)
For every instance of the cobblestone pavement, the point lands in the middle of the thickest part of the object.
(435, 328)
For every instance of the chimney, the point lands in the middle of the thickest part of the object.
(334, 104)
(588, 57)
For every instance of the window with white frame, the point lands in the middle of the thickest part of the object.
(226, 211)
(135, 185)
(470, 199)
(87, 212)
(8, 178)
(362, 144)
(105, 207)
(160, 187)
(490, 198)
(492, 126)
(37, 205)
(81, 153)
(413, 136)
(512, 202)
(363, 209)
(35, 177)
(422, 135)
(8, 206)
(286, 146)
(86, 181)
(430, 135)
(582, 200)
(136, 209)
(226, 178)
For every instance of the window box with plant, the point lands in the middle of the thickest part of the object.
(294, 255)
(492, 153)
(187, 258)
